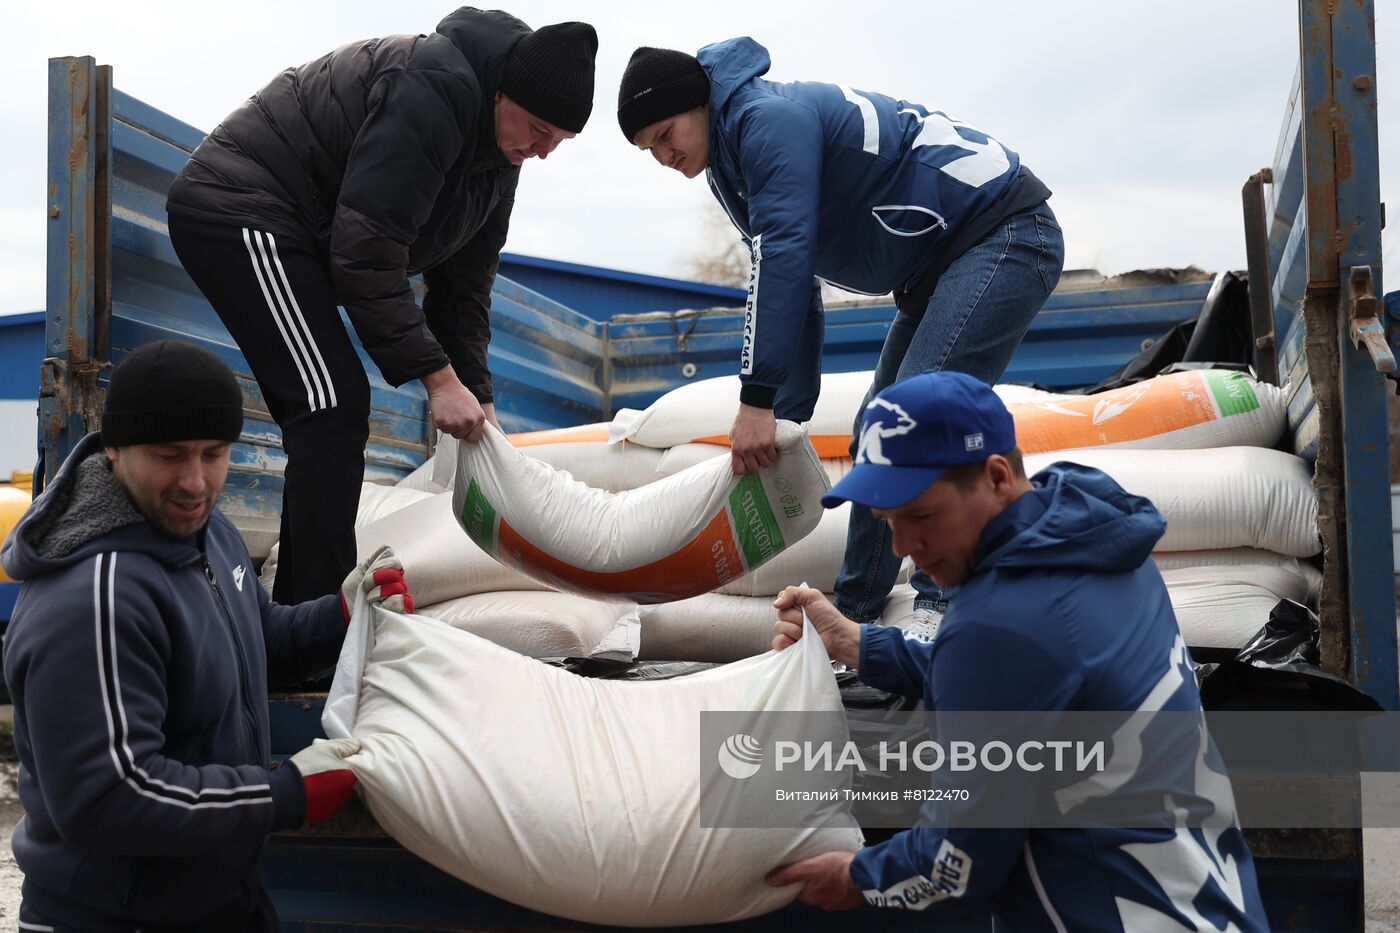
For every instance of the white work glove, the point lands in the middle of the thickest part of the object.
(328, 783)
(381, 577)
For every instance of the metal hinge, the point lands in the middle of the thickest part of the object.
(67, 389)
(1363, 311)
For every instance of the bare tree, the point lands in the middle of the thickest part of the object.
(720, 257)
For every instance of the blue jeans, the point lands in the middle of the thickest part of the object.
(981, 308)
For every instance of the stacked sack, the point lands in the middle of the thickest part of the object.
(1241, 516)
(557, 546)
(725, 622)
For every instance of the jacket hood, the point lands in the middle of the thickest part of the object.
(485, 38)
(85, 511)
(729, 64)
(1077, 518)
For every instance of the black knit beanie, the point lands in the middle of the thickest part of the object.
(550, 73)
(171, 391)
(657, 84)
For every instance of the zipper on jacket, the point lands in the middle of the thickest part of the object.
(249, 719)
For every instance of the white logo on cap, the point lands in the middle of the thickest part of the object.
(877, 430)
(973, 441)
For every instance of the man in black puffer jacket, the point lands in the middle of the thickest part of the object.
(331, 186)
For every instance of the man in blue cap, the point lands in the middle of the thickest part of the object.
(1060, 609)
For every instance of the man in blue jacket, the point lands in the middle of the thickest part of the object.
(138, 658)
(1060, 609)
(871, 194)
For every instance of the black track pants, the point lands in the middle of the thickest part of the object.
(274, 295)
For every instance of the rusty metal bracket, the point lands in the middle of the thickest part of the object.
(63, 382)
(1363, 313)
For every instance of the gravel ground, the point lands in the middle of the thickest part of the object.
(10, 876)
(1382, 848)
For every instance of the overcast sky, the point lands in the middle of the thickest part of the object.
(1143, 118)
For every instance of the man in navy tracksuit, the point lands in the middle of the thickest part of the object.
(138, 658)
(871, 194)
(1060, 609)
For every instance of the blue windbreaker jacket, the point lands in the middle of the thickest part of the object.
(1065, 611)
(859, 189)
(139, 665)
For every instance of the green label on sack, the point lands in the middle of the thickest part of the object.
(759, 536)
(479, 519)
(1233, 393)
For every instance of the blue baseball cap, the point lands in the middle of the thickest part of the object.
(915, 430)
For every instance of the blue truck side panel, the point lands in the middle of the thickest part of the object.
(603, 293)
(558, 365)
(1354, 174)
(1328, 226)
(1080, 337)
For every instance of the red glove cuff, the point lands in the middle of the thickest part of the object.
(327, 793)
(391, 583)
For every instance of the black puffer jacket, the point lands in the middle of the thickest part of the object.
(384, 152)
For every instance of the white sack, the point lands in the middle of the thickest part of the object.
(1310, 576)
(1221, 599)
(898, 609)
(687, 455)
(421, 479)
(717, 627)
(706, 409)
(816, 559)
(1224, 606)
(1204, 408)
(612, 467)
(712, 627)
(1225, 497)
(1019, 395)
(1179, 411)
(1215, 607)
(1220, 606)
(444, 461)
(545, 624)
(579, 797)
(595, 463)
(376, 501)
(440, 562)
(678, 537)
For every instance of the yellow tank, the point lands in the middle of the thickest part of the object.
(14, 500)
